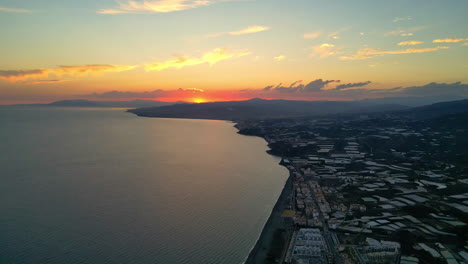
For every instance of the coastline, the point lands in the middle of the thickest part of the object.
(261, 250)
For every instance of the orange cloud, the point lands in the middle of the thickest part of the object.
(211, 57)
(156, 6)
(410, 42)
(449, 40)
(325, 50)
(370, 53)
(37, 76)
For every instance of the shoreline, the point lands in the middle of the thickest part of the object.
(261, 249)
(259, 253)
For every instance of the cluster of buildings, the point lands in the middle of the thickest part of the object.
(371, 191)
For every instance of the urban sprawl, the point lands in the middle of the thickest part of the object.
(368, 190)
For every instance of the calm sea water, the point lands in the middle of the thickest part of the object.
(105, 186)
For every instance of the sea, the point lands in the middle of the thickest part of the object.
(99, 185)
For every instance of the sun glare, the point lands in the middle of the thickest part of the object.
(198, 100)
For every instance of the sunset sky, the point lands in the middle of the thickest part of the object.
(207, 50)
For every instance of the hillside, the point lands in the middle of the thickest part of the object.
(260, 109)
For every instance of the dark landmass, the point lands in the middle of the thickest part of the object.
(262, 109)
(117, 104)
(414, 101)
(438, 109)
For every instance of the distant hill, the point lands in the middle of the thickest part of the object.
(260, 108)
(438, 109)
(119, 104)
(413, 101)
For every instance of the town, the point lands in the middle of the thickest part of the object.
(369, 189)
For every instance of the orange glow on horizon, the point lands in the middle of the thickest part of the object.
(198, 100)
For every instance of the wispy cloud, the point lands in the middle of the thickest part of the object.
(250, 30)
(335, 35)
(44, 81)
(325, 50)
(157, 6)
(370, 53)
(312, 35)
(410, 42)
(404, 32)
(210, 57)
(398, 19)
(247, 30)
(37, 76)
(14, 10)
(279, 58)
(450, 40)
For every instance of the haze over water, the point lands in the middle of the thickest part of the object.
(105, 186)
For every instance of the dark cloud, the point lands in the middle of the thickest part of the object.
(297, 86)
(317, 85)
(14, 73)
(350, 85)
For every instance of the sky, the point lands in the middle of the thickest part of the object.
(216, 50)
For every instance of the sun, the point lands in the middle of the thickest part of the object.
(198, 100)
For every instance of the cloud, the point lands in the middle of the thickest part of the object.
(368, 53)
(361, 54)
(44, 81)
(398, 19)
(298, 87)
(14, 10)
(211, 58)
(325, 50)
(410, 42)
(334, 35)
(312, 35)
(156, 6)
(159, 93)
(430, 89)
(247, 30)
(450, 40)
(250, 30)
(350, 85)
(404, 32)
(279, 58)
(37, 76)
